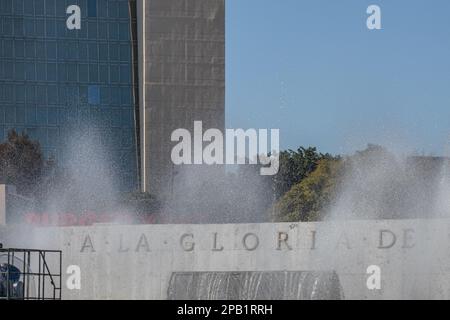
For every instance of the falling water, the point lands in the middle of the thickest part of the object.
(255, 286)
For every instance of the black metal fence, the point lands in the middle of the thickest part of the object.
(27, 274)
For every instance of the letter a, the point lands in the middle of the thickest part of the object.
(374, 21)
(181, 153)
(74, 20)
(374, 280)
(74, 280)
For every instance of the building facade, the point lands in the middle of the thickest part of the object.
(54, 80)
(132, 73)
(182, 51)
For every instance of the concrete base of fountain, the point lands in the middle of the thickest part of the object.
(251, 261)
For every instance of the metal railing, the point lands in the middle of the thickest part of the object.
(28, 274)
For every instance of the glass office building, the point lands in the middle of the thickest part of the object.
(54, 80)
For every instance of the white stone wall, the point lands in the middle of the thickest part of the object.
(136, 262)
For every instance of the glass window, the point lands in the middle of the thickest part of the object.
(41, 135)
(127, 116)
(31, 93)
(53, 137)
(82, 33)
(29, 71)
(83, 51)
(8, 93)
(41, 94)
(41, 116)
(51, 72)
(29, 49)
(93, 73)
(95, 114)
(92, 30)
(20, 93)
(83, 95)
(103, 52)
(114, 73)
(113, 31)
(83, 72)
(102, 30)
(104, 73)
(61, 28)
(61, 6)
(93, 51)
(20, 115)
(40, 50)
(50, 28)
(125, 74)
(62, 116)
(62, 50)
(29, 27)
(62, 72)
(29, 8)
(18, 27)
(7, 6)
(19, 48)
(116, 136)
(8, 70)
(18, 6)
(10, 114)
(39, 7)
(72, 72)
(40, 28)
(52, 94)
(51, 50)
(106, 118)
(116, 120)
(124, 31)
(123, 9)
(31, 115)
(115, 96)
(72, 94)
(8, 48)
(72, 51)
(127, 138)
(52, 116)
(62, 95)
(50, 7)
(73, 33)
(93, 95)
(7, 26)
(41, 71)
(19, 71)
(92, 8)
(31, 132)
(112, 9)
(104, 95)
(114, 50)
(125, 96)
(71, 115)
(102, 8)
(125, 53)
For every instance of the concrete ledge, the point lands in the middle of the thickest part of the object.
(137, 262)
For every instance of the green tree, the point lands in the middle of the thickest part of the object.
(307, 200)
(294, 167)
(21, 163)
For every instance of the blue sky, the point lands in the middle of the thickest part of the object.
(312, 69)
